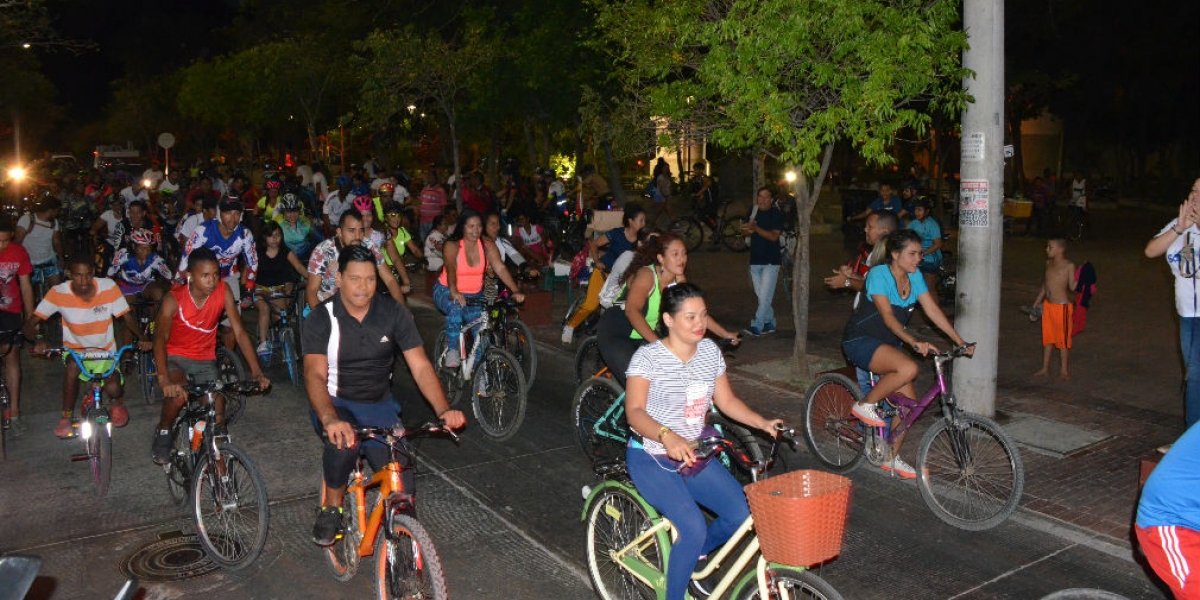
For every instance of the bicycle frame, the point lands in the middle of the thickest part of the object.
(910, 410)
(391, 492)
(477, 326)
(607, 427)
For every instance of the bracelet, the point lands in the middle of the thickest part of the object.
(847, 282)
(1177, 232)
(662, 432)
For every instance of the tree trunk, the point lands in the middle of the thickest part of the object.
(530, 146)
(614, 174)
(545, 162)
(312, 141)
(806, 200)
(458, 182)
(760, 169)
(578, 152)
(493, 172)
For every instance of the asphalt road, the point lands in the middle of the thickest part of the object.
(505, 516)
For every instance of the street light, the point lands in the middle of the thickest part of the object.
(16, 174)
(790, 176)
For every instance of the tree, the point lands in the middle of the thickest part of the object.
(794, 78)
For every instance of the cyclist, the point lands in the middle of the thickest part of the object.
(40, 235)
(467, 256)
(604, 251)
(322, 265)
(138, 217)
(141, 271)
(298, 232)
(671, 385)
(268, 203)
(207, 211)
(16, 302)
(705, 196)
(876, 333)
(277, 270)
(88, 306)
(186, 341)
(228, 239)
(348, 376)
(593, 189)
(397, 220)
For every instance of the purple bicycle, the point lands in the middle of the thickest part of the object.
(968, 469)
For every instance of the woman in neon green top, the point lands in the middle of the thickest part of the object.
(397, 219)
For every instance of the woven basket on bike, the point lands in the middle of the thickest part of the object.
(800, 516)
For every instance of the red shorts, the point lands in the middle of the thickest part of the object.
(1172, 552)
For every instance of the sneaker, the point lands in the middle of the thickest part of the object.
(768, 328)
(901, 468)
(699, 590)
(866, 413)
(568, 335)
(160, 449)
(451, 359)
(328, 528)
(119, 415)
(752, 331)
(264, 348)
(65, 429)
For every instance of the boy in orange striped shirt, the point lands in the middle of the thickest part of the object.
(88, 306)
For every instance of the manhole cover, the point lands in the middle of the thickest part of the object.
(173, 557)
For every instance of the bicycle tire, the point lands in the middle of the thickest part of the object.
(614, 519)
(745, 440)
(408, 563)
(5, 421)
(452, 383)
(732, 236)
(179, 469)
(287, 346)
(785, 582)
(99, 449)
(1084, 594)
(588, 361)
(232, 535)
(973, 478)
(150, 392)
(518, 340)
(690, 231)
(342, 557)
(498, 394)
(230, 365)
(831, 432)
(591, 402)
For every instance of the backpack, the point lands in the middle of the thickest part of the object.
(652, 188)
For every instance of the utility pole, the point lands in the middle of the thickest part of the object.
(980, 221)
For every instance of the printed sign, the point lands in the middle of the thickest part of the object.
(972, 147)
(973, 208)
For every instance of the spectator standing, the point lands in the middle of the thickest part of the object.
(1056, 299)
(662, 190)
(16, 302)
(764, 229)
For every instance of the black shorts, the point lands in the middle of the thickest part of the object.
(10, 321)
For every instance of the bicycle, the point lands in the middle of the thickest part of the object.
(588, 361)
(226, 491)
(514, 336)
(629, 545)
(598, 419)
(969, 471)
(281, 334)
(8, 339)
(727, 230)
(407, 563)
(52, 327)
(145, 312)
(492, 375)
(96, 427)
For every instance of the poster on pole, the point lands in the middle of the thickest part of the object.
(973, 207)
(972, 147)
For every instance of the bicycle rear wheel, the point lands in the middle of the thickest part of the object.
(732, 236)
(342, 556)
(970, 473)
(614, 520)
(831, 431)
(287, 351)
(179, 469)
(518, 340)
(498, 394)
(602, 440)
(231, 511)
(785, 582)
(99, 449)
(588, 362)
(690, 231)
(452, 383)
(408, 563)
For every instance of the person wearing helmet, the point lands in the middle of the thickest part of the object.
(138, 269)
(383, 198)
(396, 221)
(299, 235)
(323, 264)
(39, 233)
(267, 204)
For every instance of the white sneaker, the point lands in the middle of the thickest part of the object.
(866, 413)
(264, 348)
(901, 468)
(568, 334)
(451, 359)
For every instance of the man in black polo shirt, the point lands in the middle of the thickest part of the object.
(350, 344)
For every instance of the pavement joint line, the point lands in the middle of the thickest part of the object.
(472, 495)
(1074, 533)
(1012, 571)
(503, 460)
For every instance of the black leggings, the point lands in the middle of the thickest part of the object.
(616, 347)
(338, 464)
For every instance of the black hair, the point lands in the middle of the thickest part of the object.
(47, 202)
(138, 203)
(200, 255)
(647, 254)
(466, 215)
(671, 302)
(923, 203)
(7, 225)
(269, 227)
(632, 210)
(898, 239)
(349, 214)
(351, 254)
(767, 188)
(81, 258)
(886, 218)
(436, 222)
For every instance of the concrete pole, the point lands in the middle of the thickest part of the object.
(981, 227)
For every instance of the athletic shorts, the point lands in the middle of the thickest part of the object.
(1056, 324)
(197, 371)
(1172, 551)
(860, 351)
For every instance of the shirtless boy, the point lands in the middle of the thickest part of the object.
(1057, 300)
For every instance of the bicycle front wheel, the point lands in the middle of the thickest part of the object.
(230, 365)
(229, 504)
(601, 435)
(452, 384)
(342, 556)
(518, 340)
(786, 582)
(287, 351)
(498, 394)
(588, 362)
(690, 231)
(615, 519)
(732, 236)
(744, 440)
(408, 563)
(179, 469)
(146, 371)
(969, 472)
(99, 449)
(832, 433)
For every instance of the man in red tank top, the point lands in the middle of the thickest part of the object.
(186, 343)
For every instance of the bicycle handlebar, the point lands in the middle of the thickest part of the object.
(398, 432)
(710, 446)
(240, 387)
(92, 355)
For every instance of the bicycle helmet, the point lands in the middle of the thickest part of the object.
(386, 190)
(142, 236)
(289, 202)
(363, 203)
(274, 184)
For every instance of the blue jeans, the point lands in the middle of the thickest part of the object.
(678, 499)
(455, 315)
(764, 278)
(1189, 341)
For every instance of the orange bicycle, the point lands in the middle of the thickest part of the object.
(407, 563)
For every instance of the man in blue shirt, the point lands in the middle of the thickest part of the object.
(888, 201)
(764, 228)
(1168, 517)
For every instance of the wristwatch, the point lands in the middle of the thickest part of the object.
(662, 432)
(847, 282)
